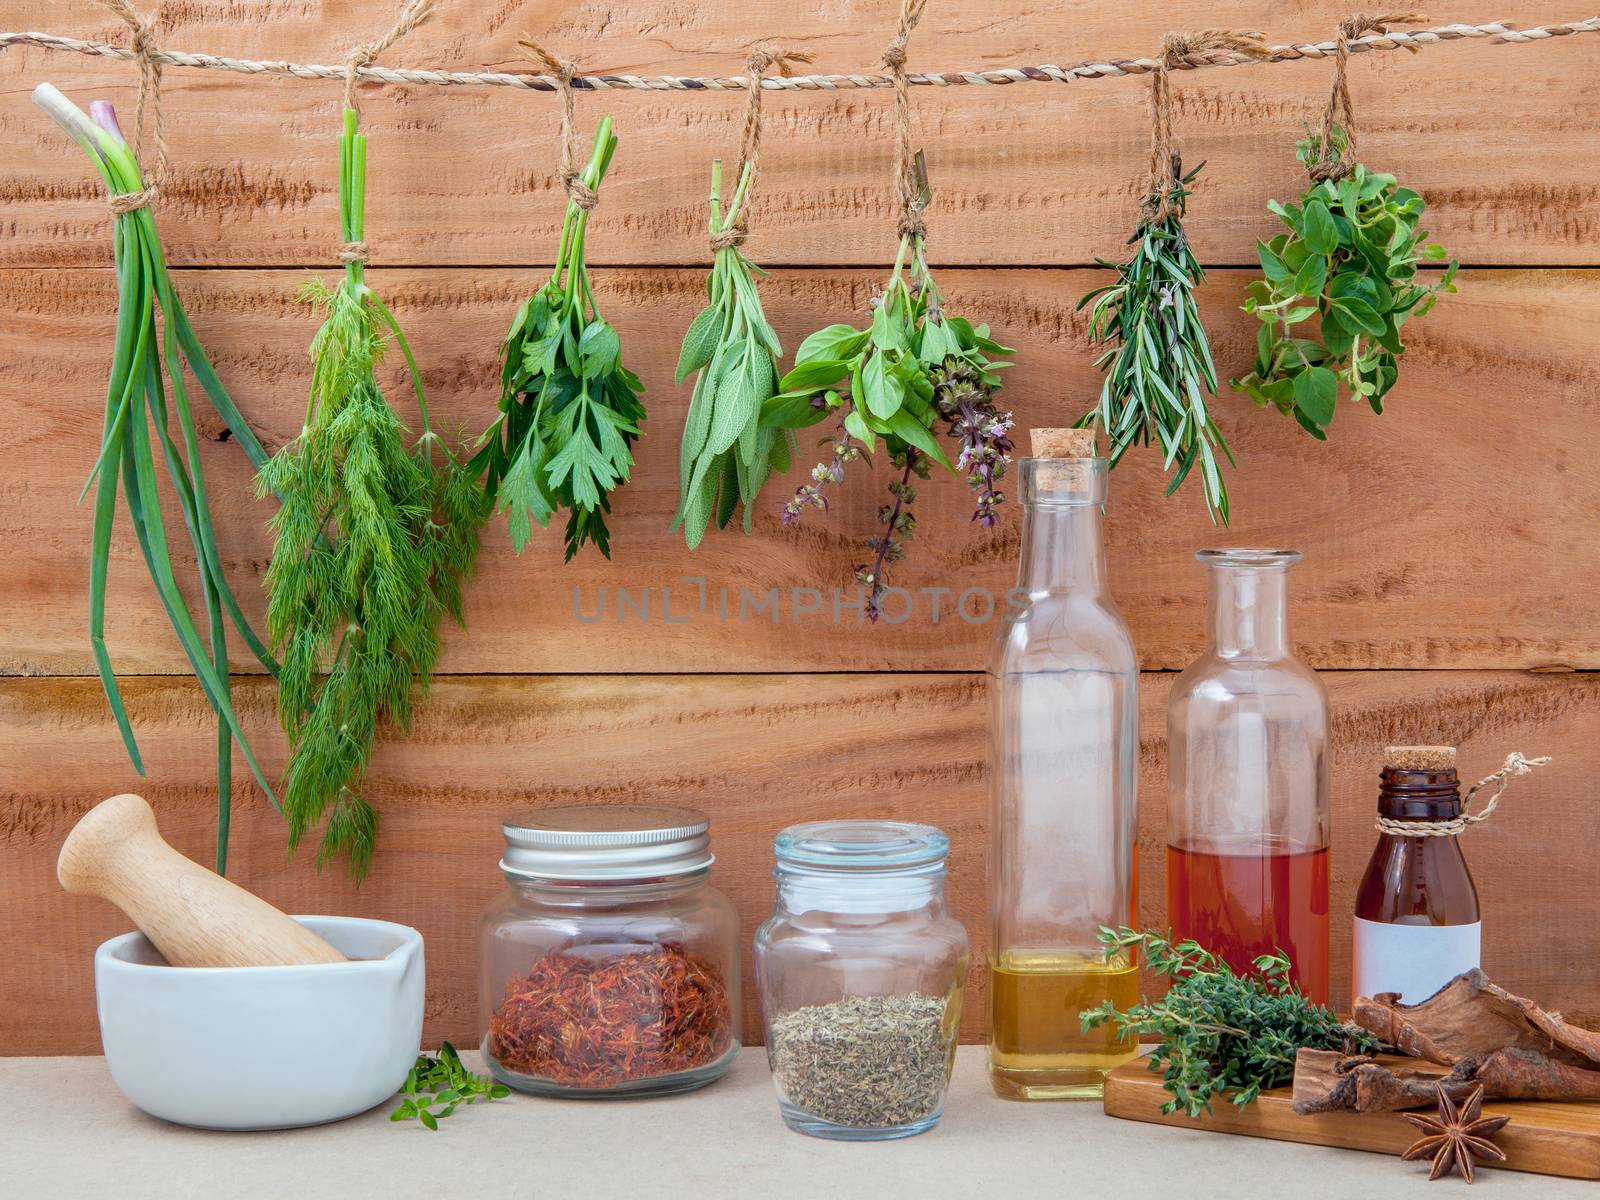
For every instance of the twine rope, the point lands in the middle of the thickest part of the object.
(1516, 764)
(1499, 33)
(1176, 49)
(416, 12)
(908, 191)
(1337, 165)
(565, 72)
(142, 49)
(750, 137)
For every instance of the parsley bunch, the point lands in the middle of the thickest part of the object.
(1221, 1032)
(436, 1087)
(569, 409)
(1348, 263)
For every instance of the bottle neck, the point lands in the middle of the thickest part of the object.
(1247, 611)
(1063, 534)
(866, 893)
(592, 893)
(1405, 795)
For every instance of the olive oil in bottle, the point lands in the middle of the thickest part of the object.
(1037, 1049)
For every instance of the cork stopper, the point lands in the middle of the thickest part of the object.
(1063, 443)
(1420, 758)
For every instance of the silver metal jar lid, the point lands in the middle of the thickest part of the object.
(607, 842)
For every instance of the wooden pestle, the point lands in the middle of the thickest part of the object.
(195, 917)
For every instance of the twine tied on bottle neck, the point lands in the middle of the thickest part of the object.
(1336, 164)
(415, 13)
(562, 71)
(1178, 50)
(1516, 764)
(750, 138)
(144, 50)
(909, 190)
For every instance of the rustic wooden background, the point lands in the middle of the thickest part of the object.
(1448, 588)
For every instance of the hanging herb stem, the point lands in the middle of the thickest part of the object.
(136, 407)
(372, 543)
(728, 452)
(569, 409)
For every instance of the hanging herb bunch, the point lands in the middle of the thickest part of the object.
(372, 542)
(732, 438)
(139, 417)
(569, 409)
(911, 373)
(1343, 279)
(1158, 367)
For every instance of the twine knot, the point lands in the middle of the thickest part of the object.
(1335, 162)
(733, 235)
(143, 46)
(563, 71)
(908, 189)
(1515, 765)
(750, 138)
(353, 252)
(416, 12)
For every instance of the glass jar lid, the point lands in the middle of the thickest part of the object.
(607, 842)
(847, 848)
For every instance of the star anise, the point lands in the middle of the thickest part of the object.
(1456, 1136)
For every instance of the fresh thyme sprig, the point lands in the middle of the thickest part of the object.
(136, 405)
(436, 1087)
(911, 366)
(728, 453)
(1221, 1032)
(372, 542)
(1158, 366)
(569, 409)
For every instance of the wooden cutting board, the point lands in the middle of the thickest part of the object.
(1545, 1138)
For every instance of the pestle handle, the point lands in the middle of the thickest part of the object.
(195, 917)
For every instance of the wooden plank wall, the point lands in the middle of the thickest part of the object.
(1450, 552)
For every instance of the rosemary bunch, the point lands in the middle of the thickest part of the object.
(727, 452)
(569, 409)
(895, 381)
(1221, 1032)
(1158, 365)
(138, 419)
(372, 542)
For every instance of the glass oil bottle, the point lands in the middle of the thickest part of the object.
(1064, 711)
(1416, 916)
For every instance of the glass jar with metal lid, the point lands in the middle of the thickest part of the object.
(610, 966)
(861, 969)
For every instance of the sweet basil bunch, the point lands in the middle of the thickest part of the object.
(1339, 285)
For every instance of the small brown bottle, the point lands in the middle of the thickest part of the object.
(1416, 921)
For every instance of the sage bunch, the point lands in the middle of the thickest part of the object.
(728, 452)
(912, 373)
(1338, 286)
(140, 417)
(371, 544)
(1158, 367)
(569, 409)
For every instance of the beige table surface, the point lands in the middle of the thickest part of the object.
(65, 1131)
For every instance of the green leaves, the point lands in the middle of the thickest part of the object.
(1348, 260)
(372, 541)
(569, 410)
(733, 437)
(1221, 1031)
(436, 1087)
(1158, 362)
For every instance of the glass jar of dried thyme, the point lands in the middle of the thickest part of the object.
(860, 970)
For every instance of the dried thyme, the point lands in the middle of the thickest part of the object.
(869, 1061)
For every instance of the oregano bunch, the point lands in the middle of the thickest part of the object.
(569, 409)
(1221, 1031)
(728, 453)
(371, 544)
(910, 374)
(1339, 284)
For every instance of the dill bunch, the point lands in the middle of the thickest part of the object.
(372, 542)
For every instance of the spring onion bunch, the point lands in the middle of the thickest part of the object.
(373, 540)
(140, 418)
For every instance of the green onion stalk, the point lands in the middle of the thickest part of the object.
(372, 542)
(138, 420)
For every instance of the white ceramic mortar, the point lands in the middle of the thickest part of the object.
(263, 1047)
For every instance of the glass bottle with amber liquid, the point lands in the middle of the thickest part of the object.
(1416, 922)
(1247, 815)
(1064, 746)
